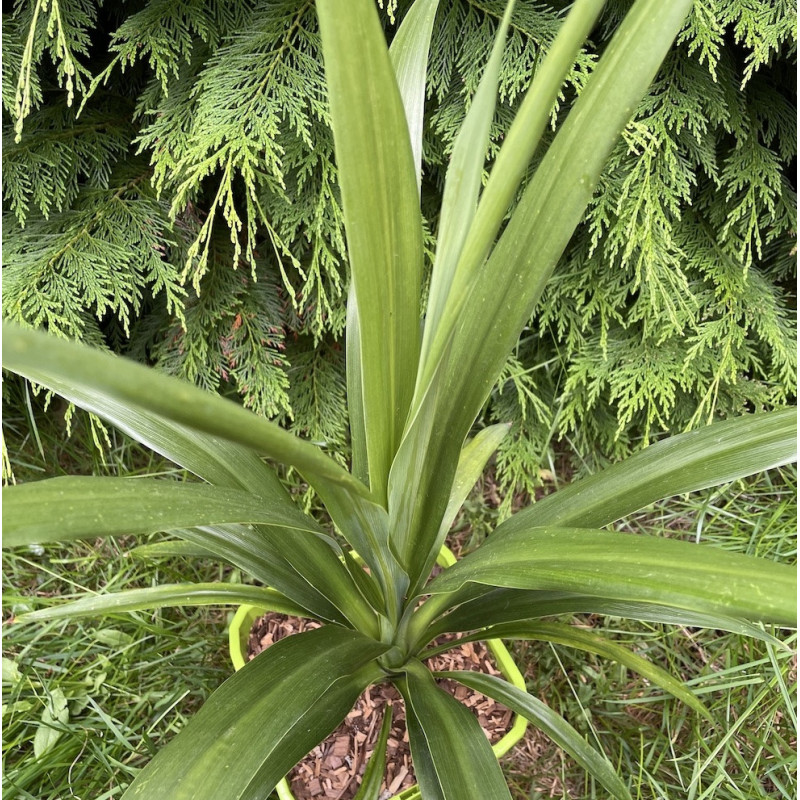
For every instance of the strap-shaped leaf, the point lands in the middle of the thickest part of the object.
(544, 718)
(258, 551)
(626, 567)
(463, 183)
(409, 54)
(31, 353)
(688, 462)
(502, 297)
(382, 220)
(180, 594)
(68, 508)
(370, 788)
(474, 456)
(452, 757)
(263, 719)
(591, 642)
(495, 606)
(61, 509)
(118, 381)
(414, 538)
(507, 288)
(509, 169)
(355, 397)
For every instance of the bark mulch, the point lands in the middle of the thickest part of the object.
(333, 769)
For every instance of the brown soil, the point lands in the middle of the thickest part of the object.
(332, 771)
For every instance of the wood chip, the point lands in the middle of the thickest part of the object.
(333, 770)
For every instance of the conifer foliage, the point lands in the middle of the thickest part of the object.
(171, 193)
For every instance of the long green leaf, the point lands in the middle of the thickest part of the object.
(382, 220)
(688, 462)
(61, 509)
(180, 594)
(512, 162)
(495, 606)
(626, 567)
(498, 303)
(32, 353)
(219, 461)
(544, 718)
(355, 396)
(591, 642)
(255, 550)
(118, 382)
(263, 719)
(452, 757)
(463, 183)
(471, 464)
(370, 788)
(409, 54)
(413, 539)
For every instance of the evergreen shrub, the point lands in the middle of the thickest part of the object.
(171, 193)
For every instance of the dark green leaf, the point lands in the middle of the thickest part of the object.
(452, 757)
(263, 719)
(591, 642)
(621, 566)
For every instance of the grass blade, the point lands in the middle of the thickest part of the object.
(370, 788)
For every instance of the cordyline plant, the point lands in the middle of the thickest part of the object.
(414, 392)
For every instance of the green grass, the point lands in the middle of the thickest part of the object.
(129, 681)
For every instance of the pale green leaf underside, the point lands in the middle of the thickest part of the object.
(474, 456)
(409, 55)
(165, 595)
(382, 220)
(263, 719)
(544, 718)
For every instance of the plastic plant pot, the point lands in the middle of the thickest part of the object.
(239, 632)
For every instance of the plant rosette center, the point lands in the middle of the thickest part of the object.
(335, 767)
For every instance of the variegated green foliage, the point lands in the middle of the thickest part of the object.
(413, 393)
